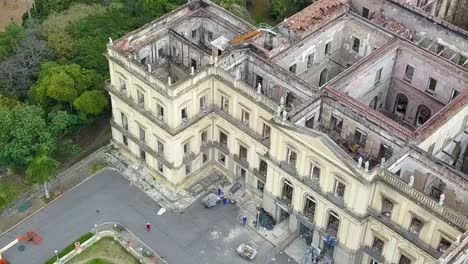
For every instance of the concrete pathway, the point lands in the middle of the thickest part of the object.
(195, 235)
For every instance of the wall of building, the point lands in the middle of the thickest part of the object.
(413, 21)
(427, 65)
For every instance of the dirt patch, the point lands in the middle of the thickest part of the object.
(106, 249)
(89, 139)
(13, 10)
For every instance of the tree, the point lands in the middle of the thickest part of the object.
(42, 168)
(277, 8)
(63, 83)
(23, 129)
(19, 71)
(55, 27)
(91, 102)
(92, 33)
(9, 39)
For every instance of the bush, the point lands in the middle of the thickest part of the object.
(97, 166)
(98, 261)
(70, 247)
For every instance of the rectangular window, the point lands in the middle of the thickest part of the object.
(260, 186)
(141, 98)
(221, 158)
(258, 80)
(454, 94)
(328, 48)
(431, 86)
(356, 44)
(416, 225)
(314, 172)
(204, 137)
(204, 158)
(377, 245)
(291, 158)
(160, 52)
(187, 148)
(194, 33)
(266, 132)
(142, 134)
(124, 121)
(160, 148)
(125, 140)
(365, 12)
(183, 114)
(292, 68)
(360, 138)
(142, 155)
(225, 104)
(310, 60)
(160, 111)
(223, 139)
(336, 124)
(378, 76)
(160, 167)
(242, 153)
(263, 168)
(310, 122)
(387, 207)
(404, 260)
(122, 86)
(202, 103)
(245, 118)
(340, 189)
(188, 169)
(444, 244)
(210, 36)
(409, 72)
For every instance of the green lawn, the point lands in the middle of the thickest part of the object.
(105, 251)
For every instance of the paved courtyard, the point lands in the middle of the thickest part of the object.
(195, 235)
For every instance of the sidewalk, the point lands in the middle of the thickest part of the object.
(168, 199)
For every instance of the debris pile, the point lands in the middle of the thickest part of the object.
(266, 220)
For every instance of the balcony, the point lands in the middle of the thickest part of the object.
(374, 253)
(142, 145)
(258, 174)
(288, 168)
(246, 129)
(242, 161)
(424, 200)
(188, 156)
(284, 203)
(221, 147)
(405, 233)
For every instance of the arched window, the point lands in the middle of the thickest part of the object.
(401, 104)
(309, 207)
(423, 115)
(373, 103)
(323, 77)
(333, 223)
(287, 192)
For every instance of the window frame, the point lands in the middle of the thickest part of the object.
(429, 82)
(407, 78)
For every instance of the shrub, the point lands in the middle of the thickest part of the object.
(70, 247)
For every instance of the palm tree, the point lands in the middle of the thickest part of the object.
(42, 168)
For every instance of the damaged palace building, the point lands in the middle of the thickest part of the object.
(347, 122)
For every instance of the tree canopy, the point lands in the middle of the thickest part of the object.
(63, 83)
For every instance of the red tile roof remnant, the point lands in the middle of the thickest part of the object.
(443, 115)
(393, 26)
(367, 111)
(313, 14)
(122, 44)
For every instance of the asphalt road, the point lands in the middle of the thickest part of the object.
(196, 235)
